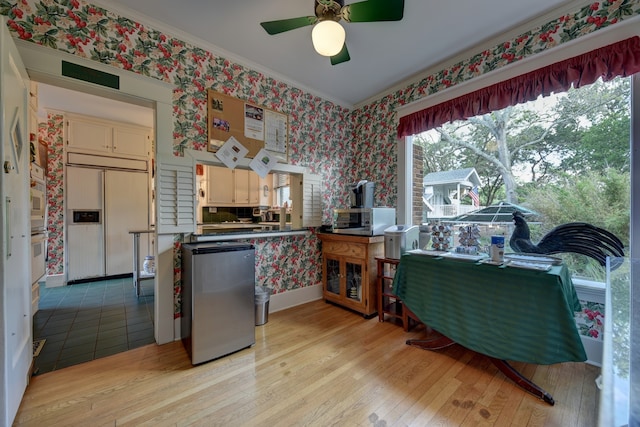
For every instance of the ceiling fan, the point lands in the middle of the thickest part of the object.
(328, 35)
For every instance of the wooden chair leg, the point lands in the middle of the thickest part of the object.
(407, 316)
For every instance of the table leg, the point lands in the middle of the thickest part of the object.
(441, 341)
(436, 343)
(136, 263)
(522, 382)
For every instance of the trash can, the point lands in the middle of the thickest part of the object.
(262, 295)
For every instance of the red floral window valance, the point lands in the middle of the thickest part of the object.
(618, 59)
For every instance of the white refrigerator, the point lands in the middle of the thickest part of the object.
(102, 206)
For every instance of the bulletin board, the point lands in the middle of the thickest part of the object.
(254, 126)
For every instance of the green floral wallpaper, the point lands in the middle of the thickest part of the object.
(318, 129)
(375, 124)
(52, 131)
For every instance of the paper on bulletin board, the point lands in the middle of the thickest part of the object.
(253, 122)
(263, 162)
(276, 133)
(231, 152)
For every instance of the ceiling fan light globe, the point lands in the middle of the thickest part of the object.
(328, 37)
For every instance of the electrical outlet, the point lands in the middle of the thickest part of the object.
(213, 209)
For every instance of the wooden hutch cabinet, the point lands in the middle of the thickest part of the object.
(349, 270)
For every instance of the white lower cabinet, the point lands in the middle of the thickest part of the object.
(100, 244)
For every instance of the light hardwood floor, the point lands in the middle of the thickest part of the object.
(316, 365)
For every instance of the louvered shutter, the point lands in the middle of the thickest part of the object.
(310, 213)
(176, 196)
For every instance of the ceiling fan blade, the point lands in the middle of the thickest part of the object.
(373, 11)
(342, 56)
(276, 27)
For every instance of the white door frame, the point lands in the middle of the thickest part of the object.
(44, 65)
(15, 262)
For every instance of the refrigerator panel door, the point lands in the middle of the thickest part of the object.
(86, 254)
(84, 246)
(126, 209)
(84, 189)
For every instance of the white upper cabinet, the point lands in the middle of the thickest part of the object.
(105, 138)
(130, 141)
(220, 186)
(227, 187)
(241, 182)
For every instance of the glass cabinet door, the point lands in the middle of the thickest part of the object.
(332, 267)
(354, 280)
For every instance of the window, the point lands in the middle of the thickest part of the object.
(282, 187)
(565, 157)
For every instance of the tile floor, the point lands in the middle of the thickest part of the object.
(87, 321)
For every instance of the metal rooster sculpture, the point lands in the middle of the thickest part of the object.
(576, 237)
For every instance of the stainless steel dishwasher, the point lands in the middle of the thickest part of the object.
(217, 299)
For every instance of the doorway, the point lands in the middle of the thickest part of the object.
(81, 322)
(55, 104)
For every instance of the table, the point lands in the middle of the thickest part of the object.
(138, 275)
(505, 313)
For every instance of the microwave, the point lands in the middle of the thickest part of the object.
(363, 221)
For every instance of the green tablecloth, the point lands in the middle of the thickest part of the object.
(505, 312)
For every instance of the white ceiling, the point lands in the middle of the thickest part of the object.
(383, 54)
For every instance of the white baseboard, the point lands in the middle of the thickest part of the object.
(294, 297)
(55, 280)
(593, 348)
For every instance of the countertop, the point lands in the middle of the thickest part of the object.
(240, 231)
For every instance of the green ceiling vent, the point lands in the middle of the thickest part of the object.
(90, 75)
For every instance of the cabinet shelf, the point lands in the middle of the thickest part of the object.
(388, 303)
